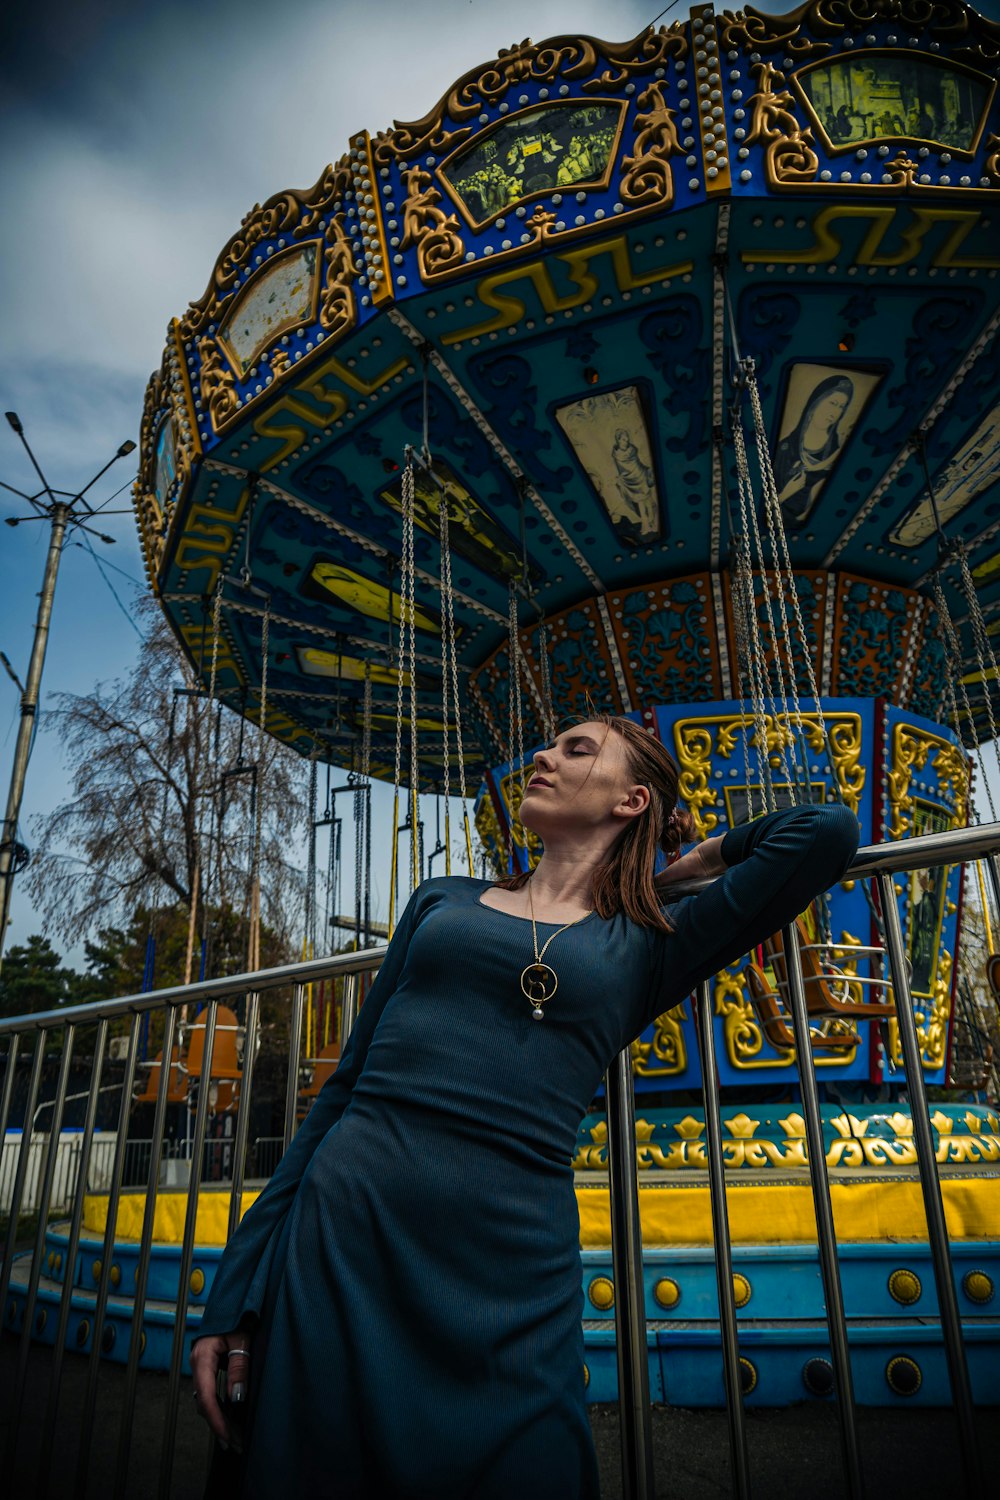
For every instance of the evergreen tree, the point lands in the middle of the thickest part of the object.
(33, 979)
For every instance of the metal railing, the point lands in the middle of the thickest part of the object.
(876, 863)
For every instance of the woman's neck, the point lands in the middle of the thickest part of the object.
(564, 875)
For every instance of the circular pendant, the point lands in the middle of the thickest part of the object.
(538, 984)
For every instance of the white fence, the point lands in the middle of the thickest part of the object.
(66, 1169)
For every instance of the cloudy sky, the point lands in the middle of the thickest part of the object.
(134, 139)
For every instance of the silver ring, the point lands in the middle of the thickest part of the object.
(231, 1352)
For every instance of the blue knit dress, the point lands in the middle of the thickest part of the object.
(412, 1269)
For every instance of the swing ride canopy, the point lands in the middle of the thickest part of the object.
(548, 281)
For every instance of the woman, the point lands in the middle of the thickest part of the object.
(404, 1299)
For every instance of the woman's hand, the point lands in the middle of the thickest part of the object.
(703, 862)
(220, 1362)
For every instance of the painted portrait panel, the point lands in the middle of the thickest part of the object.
(876, 96)
(536, 151)
(166, 464)
(822, 407)
(610, 439)
(926, 905)
(972, 469)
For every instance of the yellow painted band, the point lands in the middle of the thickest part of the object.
(783, 1214)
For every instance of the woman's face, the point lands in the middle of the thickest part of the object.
(582, 782)
(827, 413)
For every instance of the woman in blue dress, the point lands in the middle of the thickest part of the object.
(398, 1316)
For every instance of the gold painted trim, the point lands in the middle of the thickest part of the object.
(486, 85)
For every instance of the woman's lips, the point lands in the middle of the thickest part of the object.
(537, 781)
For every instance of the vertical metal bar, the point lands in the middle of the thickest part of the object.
(21, 1170)
(142, 1271)
(634, 1411)
(993, 866)
(819, 1181)
(187, 1252)
(937, 1229)
(723, 1249)
(349, 1008)
(294, 1048)
(38, 1258)
(8, 1088)
(104, 1284)
(243, 1117)
(65, 1303)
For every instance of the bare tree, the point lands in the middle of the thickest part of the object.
(162, 812)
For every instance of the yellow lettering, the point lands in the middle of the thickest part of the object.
(510, 309)
(207, 537)
(828, 243)
(334, 402)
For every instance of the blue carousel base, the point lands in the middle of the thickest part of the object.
(897, 1352)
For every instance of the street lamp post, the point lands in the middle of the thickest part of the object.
(61, 513)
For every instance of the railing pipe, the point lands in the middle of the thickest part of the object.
(294, 1051)
(107, 1251)
(187, 1252)
(819, 1181)
(142, 1270)
(930, 1184)
(20, 1171)
(38, 1258)
(243, 1117)
(69, 1269)
(635, 1415)
(309, 971)
(739, 1456)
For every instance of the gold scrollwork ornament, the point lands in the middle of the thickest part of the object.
(789, 157)
(427, 228)
(647, 178)
(218, 389)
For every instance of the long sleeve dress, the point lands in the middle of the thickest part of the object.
(412, 1269)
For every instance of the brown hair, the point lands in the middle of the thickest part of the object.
(624, 883)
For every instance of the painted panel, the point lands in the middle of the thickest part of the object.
(823, 404)
(609, 436)
(280, 296)
(537, 151)
(873, 96)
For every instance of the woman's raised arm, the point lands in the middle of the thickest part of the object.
(774, 867)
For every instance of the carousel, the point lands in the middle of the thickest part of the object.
(657, 378)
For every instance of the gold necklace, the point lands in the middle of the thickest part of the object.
(539, 980)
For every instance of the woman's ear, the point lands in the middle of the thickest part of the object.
(635, 802)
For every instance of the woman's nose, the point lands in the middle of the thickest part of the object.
(542, 760)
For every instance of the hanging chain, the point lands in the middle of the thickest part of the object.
(757, 660)
(953, 674)
(445, 581)
(548, 714)
(311, 859)
(984, 647)
(449, 621)
(265, 632)
(744, 669)
(776, 529)
(515, 733)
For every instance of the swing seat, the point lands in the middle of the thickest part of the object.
(820, 981)
(772, 1019)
